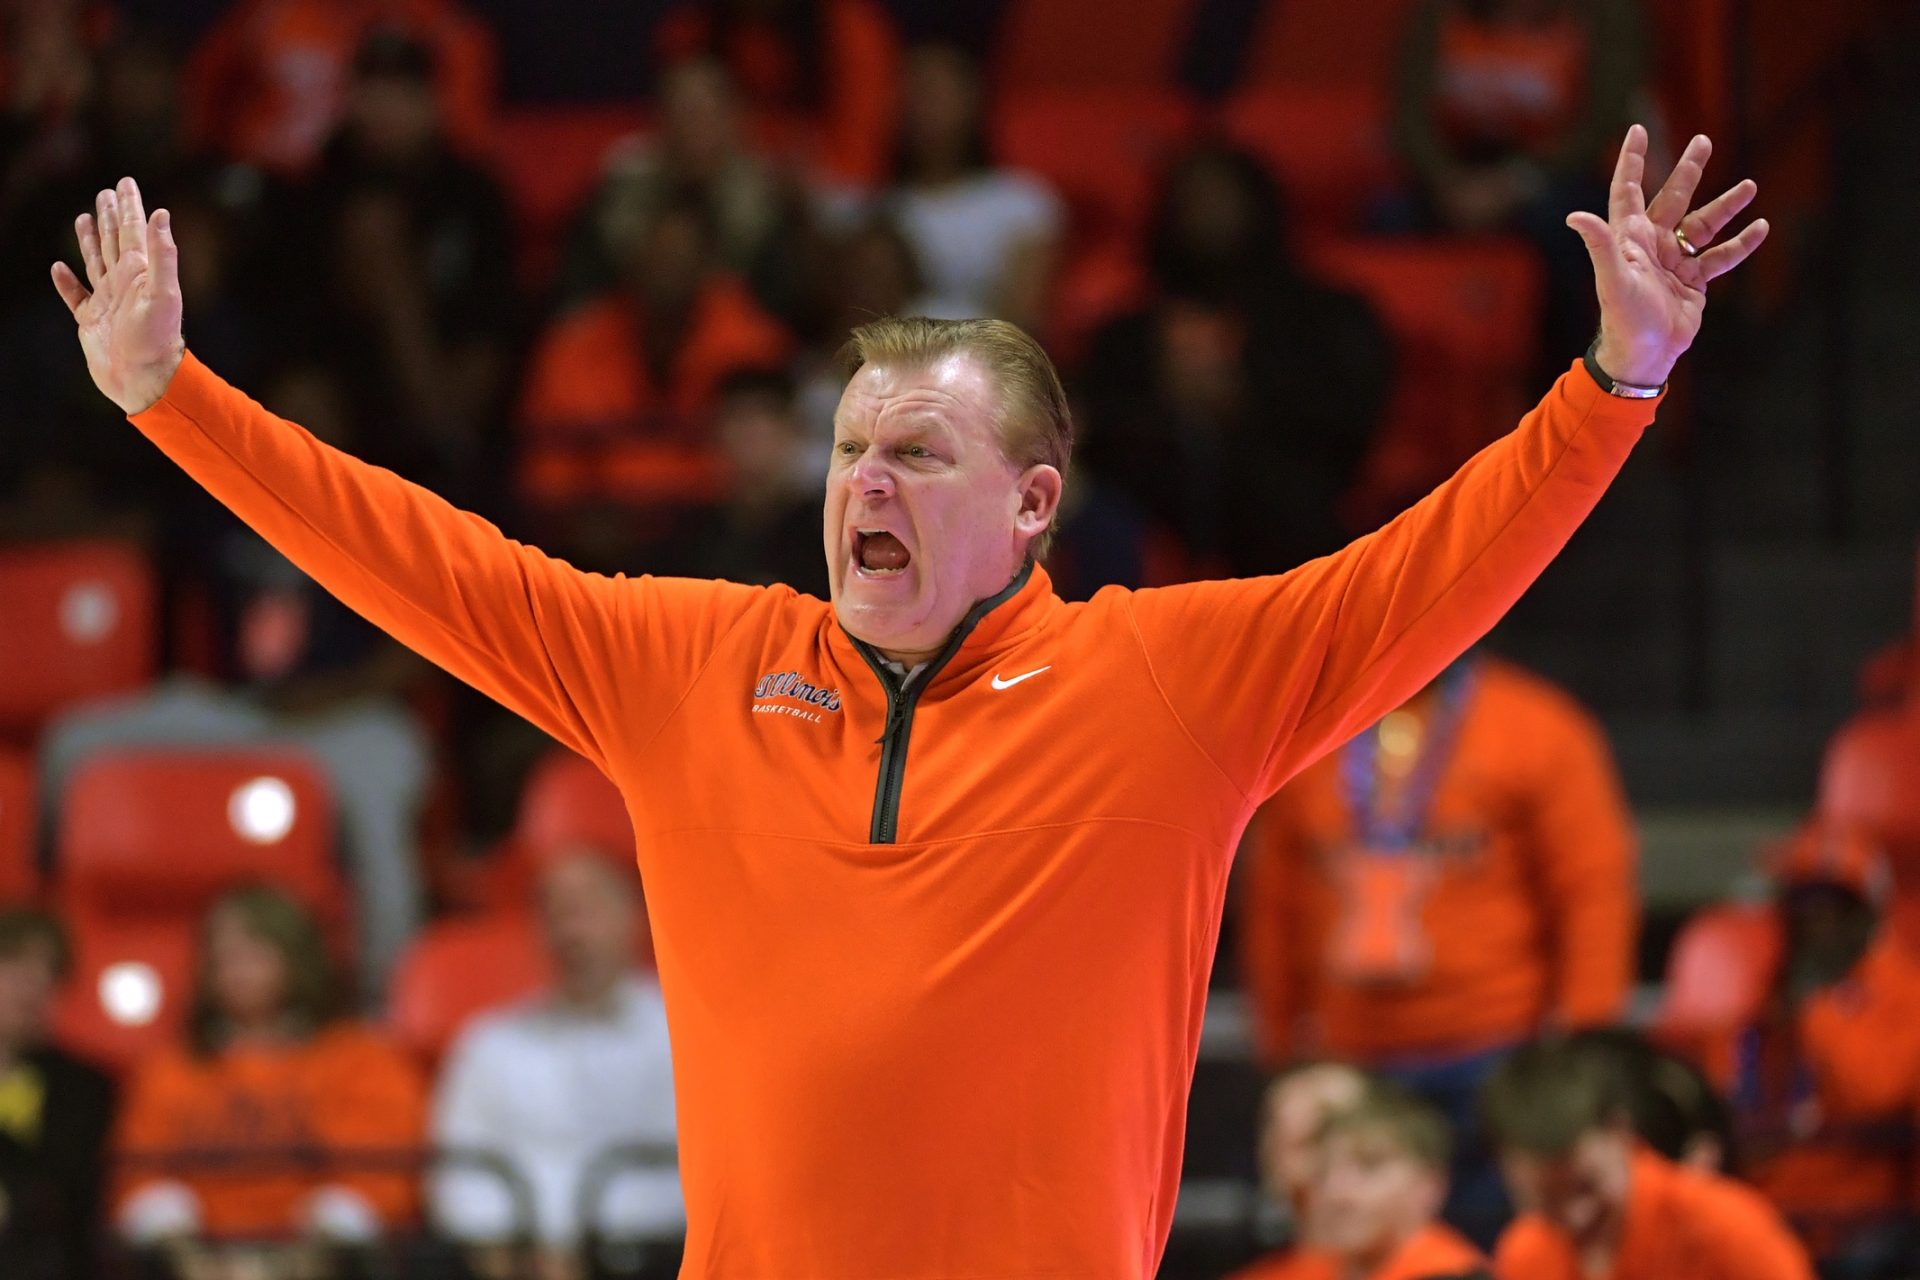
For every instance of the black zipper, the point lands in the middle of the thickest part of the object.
(903, 695)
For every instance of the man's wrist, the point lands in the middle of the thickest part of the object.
(150, 387)
(1628, 367)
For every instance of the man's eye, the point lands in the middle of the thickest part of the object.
(917, 451)
(846, 448)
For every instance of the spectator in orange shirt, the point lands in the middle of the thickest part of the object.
(1826, 1079)
(266, 84)
(818, 75)
(270, 1081)
(1373, 1185)
(1596, 1204)
(1440, 888)
(647, 358)
(1503, 109)
(617, 400)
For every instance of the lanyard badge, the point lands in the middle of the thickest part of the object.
(1384, 878)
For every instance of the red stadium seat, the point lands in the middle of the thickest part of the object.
(19, 874)
(1103, 149)
(1693, 44)
(457, 968)
(1326, 143)
(1087, 43)
(129, 992)
(76, 622)
(1870, 779)
(1718, 974)
(1355, 42)
(1464, 316)
(156, 836)
(550, 159)
(566, 801)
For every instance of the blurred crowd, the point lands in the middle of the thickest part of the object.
(452, 1025)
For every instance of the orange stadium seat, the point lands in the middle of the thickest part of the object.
(1718, 974)
(1083, 43)
(19, 872)
(76, 622)
(1102, 149)
(457, 968)
(156, 836)
(129, 991)
(1464, 316)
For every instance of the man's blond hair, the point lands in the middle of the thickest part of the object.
(1035, 424)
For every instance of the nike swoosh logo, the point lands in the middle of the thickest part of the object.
(998, 683)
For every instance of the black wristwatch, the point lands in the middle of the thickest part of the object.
(1613, 387)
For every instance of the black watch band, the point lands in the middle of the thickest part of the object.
(1613, 387)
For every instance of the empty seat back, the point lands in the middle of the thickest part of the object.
(153, 835)
(76, 622)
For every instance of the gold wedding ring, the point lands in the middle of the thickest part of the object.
(1686, 245)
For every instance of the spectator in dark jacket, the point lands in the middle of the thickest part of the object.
(1237, 405)
(55, 1113)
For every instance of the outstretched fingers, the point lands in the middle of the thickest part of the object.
(106, 220)
(86, 230)
(1707, 222)
(72, 292)
(133, 217)
(1723, 258)
(163, 255)
(1626, 197)
(1676, 197)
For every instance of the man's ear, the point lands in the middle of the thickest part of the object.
(1041, 486)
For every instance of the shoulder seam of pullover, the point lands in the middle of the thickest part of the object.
(1166, 700)
(693, 682)
(1446, 592)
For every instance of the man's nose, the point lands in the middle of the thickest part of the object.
(871, 477)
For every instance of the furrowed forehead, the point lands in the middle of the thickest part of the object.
(946, 393)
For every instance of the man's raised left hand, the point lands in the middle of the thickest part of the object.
(1652, 292)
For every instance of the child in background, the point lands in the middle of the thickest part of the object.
(1372, 1195)
(1598, 1204)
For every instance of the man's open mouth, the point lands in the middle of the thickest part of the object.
(879, 552)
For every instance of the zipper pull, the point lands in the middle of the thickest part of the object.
(896, 712)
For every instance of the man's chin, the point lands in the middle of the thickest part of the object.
(883, 624)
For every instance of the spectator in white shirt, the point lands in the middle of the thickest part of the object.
(554, 1084)
(985, 237)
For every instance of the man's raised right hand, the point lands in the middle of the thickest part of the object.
(128, 311)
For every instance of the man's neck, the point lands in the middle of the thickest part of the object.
(595, 996)
(1362, 1263)
(908, 660)
(911, 658)
(1599, 1246)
